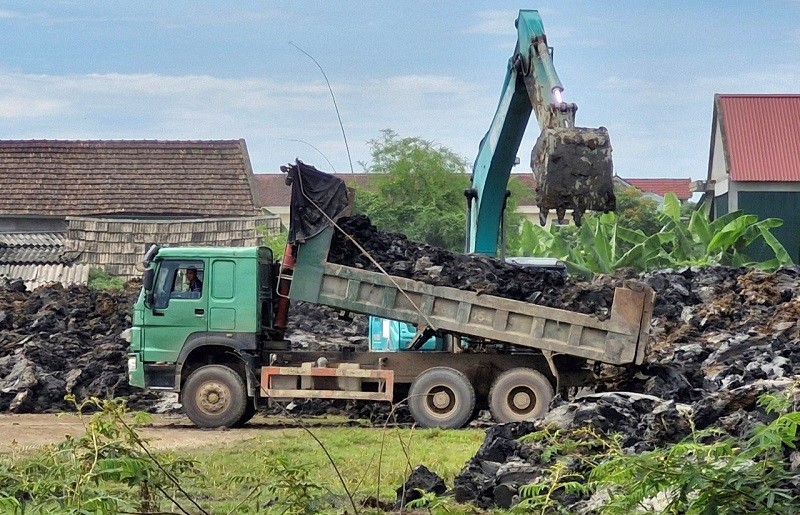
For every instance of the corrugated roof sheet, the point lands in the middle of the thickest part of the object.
(32, 239)
(660, 187)
(85, 178)
(31, 248)
(761, 136)
(37, 275)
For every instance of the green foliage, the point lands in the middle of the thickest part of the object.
(440, 505)
(417, 190)
(541, 496)
(373, 463)
(636, 211)
(602, 244)
(514, 220)
(107, 470)
(285, 484)
(708, 473)
(566, 460)
(99, 279)
(725, 475)
(276, 242)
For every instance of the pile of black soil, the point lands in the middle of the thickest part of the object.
(721, 338)
(313, 327)
(401, 257)
(377, 413)
(56, 341)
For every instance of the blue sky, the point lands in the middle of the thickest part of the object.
(225, 70)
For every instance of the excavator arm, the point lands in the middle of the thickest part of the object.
(572, 165)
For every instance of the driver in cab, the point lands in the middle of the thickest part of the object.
(193, 283)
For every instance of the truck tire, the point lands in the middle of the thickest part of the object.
(441, 397)
(520, 394)
(214, 396)
(249, 412)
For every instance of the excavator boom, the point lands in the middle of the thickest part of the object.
(572, 165)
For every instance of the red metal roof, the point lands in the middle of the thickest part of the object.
(761, 136)
(660, 187)
(272, 191)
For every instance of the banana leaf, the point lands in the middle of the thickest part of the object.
(728, 236)
(672, 207)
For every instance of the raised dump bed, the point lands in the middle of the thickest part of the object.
(619, 340)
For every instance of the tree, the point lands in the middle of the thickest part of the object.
(636, 211)
(417, 189)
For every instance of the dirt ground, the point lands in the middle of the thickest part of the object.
(165, 432)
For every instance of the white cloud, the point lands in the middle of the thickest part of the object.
(8, 14)
(501, 22)
(265, 112)
(494, 22)
(29, 107)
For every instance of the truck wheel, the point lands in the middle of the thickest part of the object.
(520, 394)
(214, 396)
(441, 397)
(249, 412)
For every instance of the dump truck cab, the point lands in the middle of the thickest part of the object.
(177, 327)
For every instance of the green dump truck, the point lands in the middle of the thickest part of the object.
(221, 345)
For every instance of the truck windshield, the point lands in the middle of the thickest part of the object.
(178, 280)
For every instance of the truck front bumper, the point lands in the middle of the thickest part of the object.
(135, 370)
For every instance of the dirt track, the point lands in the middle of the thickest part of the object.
(166, 431)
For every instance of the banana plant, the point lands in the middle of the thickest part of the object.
(601, 245)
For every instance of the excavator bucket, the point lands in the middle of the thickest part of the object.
(573, 170)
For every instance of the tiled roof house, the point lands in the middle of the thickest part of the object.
(659, 187)
(108, 199)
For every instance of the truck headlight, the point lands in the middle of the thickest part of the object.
(132, 364)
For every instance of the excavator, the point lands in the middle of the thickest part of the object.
(572, 165)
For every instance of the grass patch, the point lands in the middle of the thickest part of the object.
(229, 474)
(261, 469)
(99, 279)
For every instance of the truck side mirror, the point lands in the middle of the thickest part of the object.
(147, 280)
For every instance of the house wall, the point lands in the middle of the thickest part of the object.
(32, 224)
(719, 168)
(282, 212)
(119, 245)
(768, 201)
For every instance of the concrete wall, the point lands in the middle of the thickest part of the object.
(25, 224)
